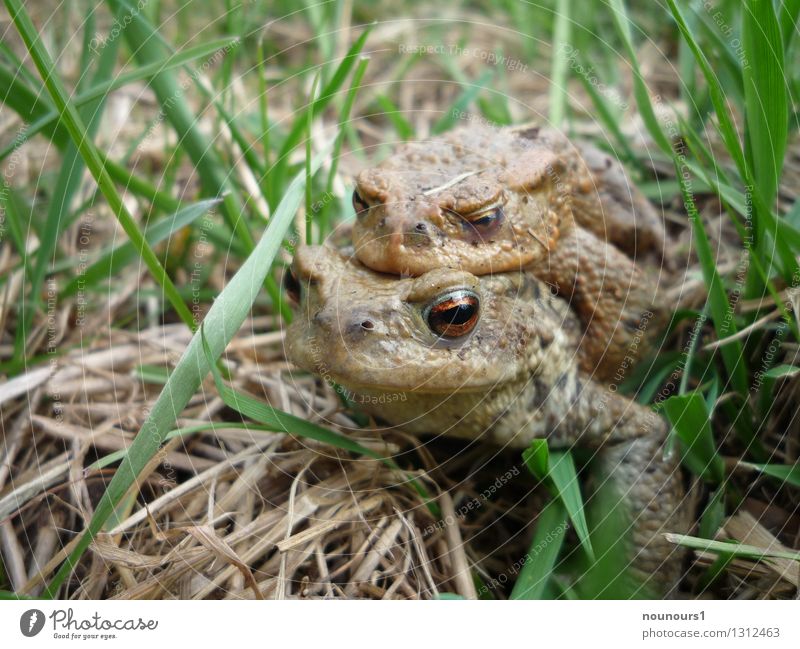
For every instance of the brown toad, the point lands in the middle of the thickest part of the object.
(487, 200)
(490, 358)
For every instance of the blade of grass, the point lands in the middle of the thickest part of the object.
(736, 549)
(403, 128)
(766, 97)
(149, 47)
(642, 95)
(789, 13)
(31, 107)
(610, 121)
(540, 560)
(111, 262)
(718, 98)
(47, 121)
(713, 514)
(263, 109)
(565, 478)
(690, 420)
(10, 207)
(762, 216)
(309, 188)
(328, 92)
(718, 303)
(89, 31)
(781, 371)
(788, 473)
(559, 69)
(67, 184)
(462, 102)
(727, 61)
(716, 179)
(91, 157)
(224, 318)
(562, 478)
(344, 116)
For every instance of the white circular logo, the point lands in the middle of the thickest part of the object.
(31, 622)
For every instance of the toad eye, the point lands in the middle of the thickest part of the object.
(292, 286)
(486, 220)
(359, 204)
(453, 314)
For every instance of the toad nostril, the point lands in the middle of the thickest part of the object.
(369, 325)
(421, 228)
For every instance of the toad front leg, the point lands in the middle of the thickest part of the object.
(628, 439)
(650, 493)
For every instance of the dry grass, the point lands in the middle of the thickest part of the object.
(237, 513)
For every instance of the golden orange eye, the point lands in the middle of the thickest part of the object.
(359, 204)
(453, 314)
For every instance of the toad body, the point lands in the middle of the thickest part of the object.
(491, 358)
(486, 200)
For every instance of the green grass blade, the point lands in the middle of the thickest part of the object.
(309, 123)
(562, 478)
(713, 515)
(718, 303)
(559, 69)
(462, 102)
(31, 107)
(67, 184)
(111, 262)
(91, 157)
(736, 549)
(403, 128)
(691, 422)
(316, 107)
(623, 25)
(565, 479)
(606, 116)
(8, 595)
(718, 96)
(789, 14)
(10, 208)
(263, 109)
(727, 62)
(551, 528)
(344, 116)
(537, 458)
(788, 473)
(148, 48)
(781, 371)
(46, 122)
(223, 320)
(766, 97)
